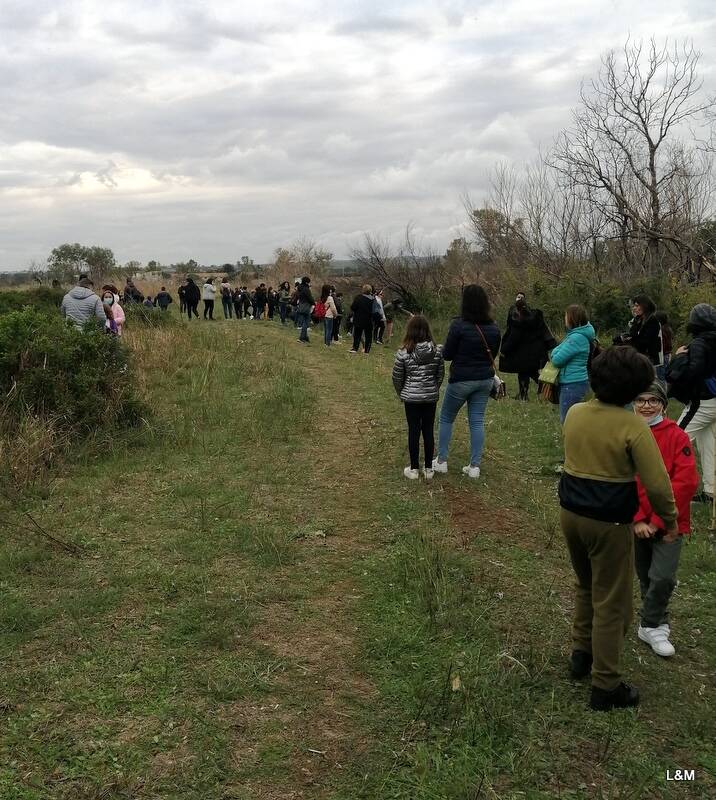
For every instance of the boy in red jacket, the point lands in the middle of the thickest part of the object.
(656, 553)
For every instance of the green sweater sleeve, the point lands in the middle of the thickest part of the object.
(654, 477)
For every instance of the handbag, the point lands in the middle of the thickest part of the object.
(499, 388)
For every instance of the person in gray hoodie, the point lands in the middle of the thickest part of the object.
(418, 373)
(81, 304)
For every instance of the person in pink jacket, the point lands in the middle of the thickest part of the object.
(113, 310)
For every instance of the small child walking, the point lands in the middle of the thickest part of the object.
(418, 373)
(656, 553)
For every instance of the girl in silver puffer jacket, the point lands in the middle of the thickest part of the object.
(418, 372)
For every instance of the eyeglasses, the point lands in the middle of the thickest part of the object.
(647, 401)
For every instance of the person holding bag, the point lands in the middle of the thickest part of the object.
(571, 357)
(472, 344)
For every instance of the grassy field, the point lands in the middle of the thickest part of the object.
(260, 606)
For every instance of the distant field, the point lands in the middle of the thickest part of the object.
(262, 607)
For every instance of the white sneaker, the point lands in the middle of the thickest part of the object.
(439, 466)
(471, 472)
(658, 639)
(428, 473)
(411, 474)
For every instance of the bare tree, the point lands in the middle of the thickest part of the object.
(624, 147)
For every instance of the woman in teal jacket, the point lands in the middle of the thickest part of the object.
(571, 356)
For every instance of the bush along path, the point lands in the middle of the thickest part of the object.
(263, 607)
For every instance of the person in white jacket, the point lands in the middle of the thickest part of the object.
(208, 295)
(378, 317)
(81, 304)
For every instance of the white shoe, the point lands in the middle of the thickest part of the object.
(439, 466)
(411, 474)
(471, 472)
(658, 639)
(428, 473)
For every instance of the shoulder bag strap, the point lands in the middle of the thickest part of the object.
(487, 347)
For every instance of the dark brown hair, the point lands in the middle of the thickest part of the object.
(576, 316)
(418, 330)
(475, 305)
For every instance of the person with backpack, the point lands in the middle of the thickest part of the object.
(656, 554)
(691, 377)
(418, 373)
(182, 297)
(227, 302)
(329, 313)
(472, 344)
(525, 344)
(271, 299)
(378, 317)
(260, 301)
(208, 295)
(193, 295)
(362, 308)
(572, 357)
(304, 308)
(605, 447)
(163, 299)
(246, 298)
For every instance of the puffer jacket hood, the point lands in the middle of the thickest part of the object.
(585, 330)
(703, 316)
(417, 376)
(424, 352)
(80, 293)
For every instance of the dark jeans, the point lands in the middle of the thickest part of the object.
(228, 306)
(283, 310)
(302, 321)
(208, 309)
(379, 329)
(270, 310)
(191, 308)
(364, 331)
(182, 305)
(523, 379)
(238, 308)
(336, 327)
(656, 563)
(421, 420)
(247, 309)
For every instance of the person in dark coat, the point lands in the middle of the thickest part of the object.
(644, 330)
(362, 308)
(192, 295)
(525, 345)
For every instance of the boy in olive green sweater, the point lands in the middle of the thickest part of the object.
(605, 447)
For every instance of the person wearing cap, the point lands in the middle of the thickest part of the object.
(81, 304)
(605, 448)
(656, 553)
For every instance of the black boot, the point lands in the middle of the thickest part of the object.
(580, 664)
(624, 696)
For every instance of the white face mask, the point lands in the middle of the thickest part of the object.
(655, 420)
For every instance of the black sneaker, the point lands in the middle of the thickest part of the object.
(580, 664)
(624, 696)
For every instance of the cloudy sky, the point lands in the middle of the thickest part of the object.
(172, 130)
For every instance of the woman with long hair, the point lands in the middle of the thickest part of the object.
(472, 344)
(418, 372)
(284, 298)
(572, 357)
(331, 313)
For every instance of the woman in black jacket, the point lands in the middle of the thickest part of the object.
(362, 308)
(472, 344)
(525, 345)
(644, 333)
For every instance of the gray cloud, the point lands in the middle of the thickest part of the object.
(206, 130)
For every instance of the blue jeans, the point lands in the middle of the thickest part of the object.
(328, 330)
(302, 319)
(475, 394)
(569, 394)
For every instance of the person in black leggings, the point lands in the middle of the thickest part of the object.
(418, 372)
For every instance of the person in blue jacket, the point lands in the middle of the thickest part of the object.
(572, 356)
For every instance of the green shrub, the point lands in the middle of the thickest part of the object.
(139, 314)
(48, 369)
(42, 298)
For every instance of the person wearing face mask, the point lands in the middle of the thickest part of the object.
(656, 553)
(111, 312)
(525, 345)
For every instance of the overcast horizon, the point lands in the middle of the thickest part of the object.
(196, 130)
